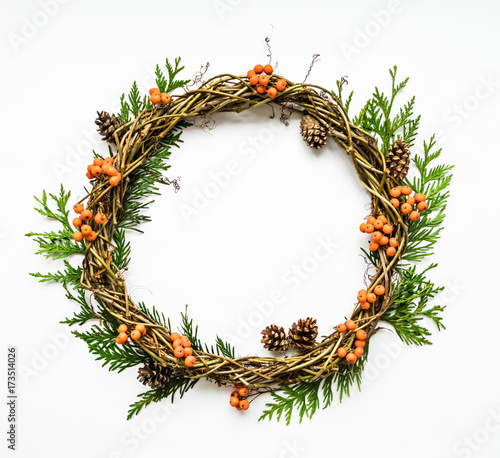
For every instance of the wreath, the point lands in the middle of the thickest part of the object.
(404, 223)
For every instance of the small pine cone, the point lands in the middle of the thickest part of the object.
(398, 160)
(275, 338)
(313, 132)
(154, 374)
(107, 125)
(303, 333)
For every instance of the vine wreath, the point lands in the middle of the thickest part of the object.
(404, 224)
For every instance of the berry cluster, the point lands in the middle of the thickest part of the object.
(86, 229)
(135, 334)
(157, 96)
(359, 343)
(237, 398)
(406, 205)
(182, 348)
(381, 233)
(259, 77)
(366, 299)
(104, 166)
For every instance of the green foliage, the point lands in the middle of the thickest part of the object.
(190, 330)
(159, 317)
(121, 253)
(69, 276)
(376, 116)
(101, 341)
(85, 313)
(144, 180)
(224, 348)
(433, 182)
(170, 83)
(410, 306)
(307, 397)
(176, 385)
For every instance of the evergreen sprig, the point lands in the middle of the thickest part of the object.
(85, 313)
(175, 386)
(69, 276)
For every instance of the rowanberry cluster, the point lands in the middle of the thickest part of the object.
(135, 334)
(346, 352)
(237, 398)
(182, 349)
(85, 230)
(259, 77)
(104, 167)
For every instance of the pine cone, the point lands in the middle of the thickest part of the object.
(313, 132)
(303, 333)
(398, 160)
(154, 374)
(107, 125)
(275, 338)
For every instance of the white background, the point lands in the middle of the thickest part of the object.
(62, 62)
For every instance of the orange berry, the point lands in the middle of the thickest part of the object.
(374, 246)
(77, 222)
(419, 197)
(113, 181)
(135, 334)
(341, 328)
(250, 73)
(387, 229)
(174, 336)
(141, 328)
(382, 218)
(281, 84)
(78, 208)
(112, 171)
(105, 167)
(369, 228)
(395, 192)
(371, 220)
(243, 391)
(98, 161)
(155, 98)
(362, 295)
(406, 208)
(109, 160)
(189, 361)
(122, 328)
(341, 352)
(371, 297)
(272, 92)
(254, 80)
(268, 69)
(236, 393)
(154, 90)
(362, 227)
(177, 343)
(391, 251)
(263, 80)
(100, 218)
(376, 236)
(258, 69)
(234, 401)
(359, 352)
(393, 241)
(91, 237)
(122, 338)
(188, 351)
(359, 343)
(422, 206)
(86, 215)
(383, 241)
(378, 224)
(244, 404)
(365, 305)
(179, 352)
(186, 343)
(361, 334)
(78, 236)
(351, 325)
(406, 190)
(351, 358)
(165, 98)
(89, 175)
(414, 215)
(395, 203)
(86, 229)
(89, 167)
(410, 200)
(379, 290)
(261, 89)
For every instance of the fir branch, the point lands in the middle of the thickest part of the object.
(224, 348)
(121, 253)
(69, 276)
(101, 341)
(154, 314)
(176, 385)
(85, 313)
(56, 245)
(136, 104)
(191, 331)
(125, 110)
(410, 305)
